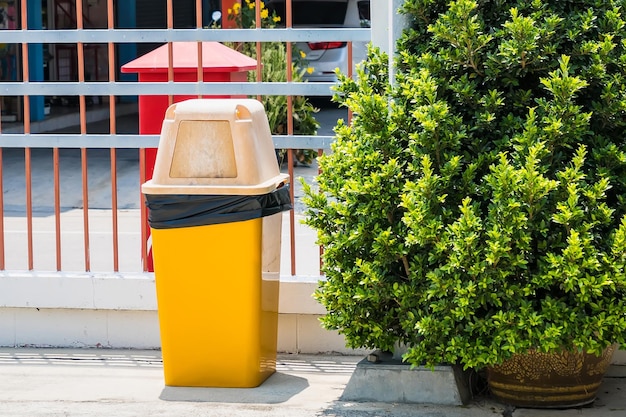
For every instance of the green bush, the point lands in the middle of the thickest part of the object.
(476, 208)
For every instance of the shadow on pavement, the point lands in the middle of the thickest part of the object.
(278, 388)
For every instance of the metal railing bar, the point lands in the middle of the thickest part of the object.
(113, 151)
(85, 193)
(103, 88)
(258, 50)
(114, 205)
(29, 206)
(170, 47)
(83, 130)
(143, 212)
(200, 71)
(27, 152)
(290, 164)
(125, 141)
(2, 245)
(184, 35)
(57, 206)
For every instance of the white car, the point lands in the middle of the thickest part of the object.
(323, 57)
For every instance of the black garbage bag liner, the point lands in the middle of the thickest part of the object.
(169, 211)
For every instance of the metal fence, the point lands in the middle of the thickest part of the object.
(26, 140)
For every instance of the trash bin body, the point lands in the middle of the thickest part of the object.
(215, 210)
(219, 64)
(218, 302)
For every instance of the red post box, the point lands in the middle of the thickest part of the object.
(219, 63)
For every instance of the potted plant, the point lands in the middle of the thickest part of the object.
(475, 210)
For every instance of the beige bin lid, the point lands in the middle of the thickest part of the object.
(215, 146)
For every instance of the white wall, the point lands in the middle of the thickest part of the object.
(120, 311)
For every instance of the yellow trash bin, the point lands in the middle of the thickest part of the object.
(215, 203)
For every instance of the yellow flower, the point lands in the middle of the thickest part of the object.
(309, 70)
(276, 19)
(262, 5)
(302, 54)
(236, 8)
(264, 13)
(250, 5)
(230, 11)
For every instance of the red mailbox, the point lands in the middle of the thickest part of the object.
(219, 63)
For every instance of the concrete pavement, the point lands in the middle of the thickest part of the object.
(124, 383)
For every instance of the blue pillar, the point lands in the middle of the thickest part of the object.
(126, 52)
(35, 58)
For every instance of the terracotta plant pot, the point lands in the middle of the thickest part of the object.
(549, 380)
